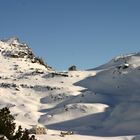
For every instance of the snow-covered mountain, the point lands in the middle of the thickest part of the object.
(99, 104)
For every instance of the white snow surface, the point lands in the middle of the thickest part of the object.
(100, 104)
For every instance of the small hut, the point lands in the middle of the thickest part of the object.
(72, 68)
(38, 130)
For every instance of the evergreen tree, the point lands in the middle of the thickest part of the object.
(25, 135)
(2, 138)
(33, 137)
(7, 125)
(18, 134)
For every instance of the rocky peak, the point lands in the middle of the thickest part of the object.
(13, 48)
(12, 40)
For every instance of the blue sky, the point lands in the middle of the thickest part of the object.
(86, 33)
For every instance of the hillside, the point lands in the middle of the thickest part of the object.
(99, 104)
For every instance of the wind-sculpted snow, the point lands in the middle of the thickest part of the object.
(119, 80)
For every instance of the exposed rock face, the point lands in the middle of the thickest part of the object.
(13, 48)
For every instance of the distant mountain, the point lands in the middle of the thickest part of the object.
(101, 104)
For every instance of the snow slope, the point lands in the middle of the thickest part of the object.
(100, 104)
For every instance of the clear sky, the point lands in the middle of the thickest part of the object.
(86, 33)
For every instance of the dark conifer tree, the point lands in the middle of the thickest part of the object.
(25, 135)
(7, 125)
(18, 134)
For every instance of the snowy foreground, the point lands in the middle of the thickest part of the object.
(98, 104)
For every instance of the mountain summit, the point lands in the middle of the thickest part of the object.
(13, 48)
(13, 40)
